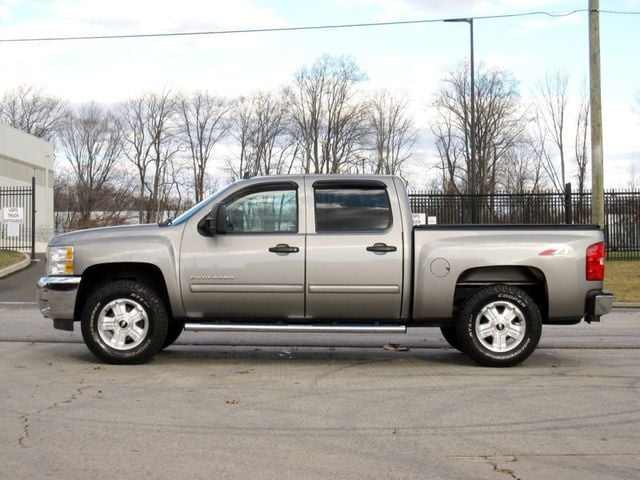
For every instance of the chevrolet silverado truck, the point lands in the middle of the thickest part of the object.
(314, 253)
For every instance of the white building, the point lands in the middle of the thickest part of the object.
(23, 156)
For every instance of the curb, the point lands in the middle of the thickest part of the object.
(626, 304)
(24, 263)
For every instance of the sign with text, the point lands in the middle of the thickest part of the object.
(419, 218)
(13, 215)
(13, 229)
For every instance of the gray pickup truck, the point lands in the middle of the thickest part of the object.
(316, 253)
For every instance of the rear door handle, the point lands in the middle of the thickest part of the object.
(381, 248)
(284, 248)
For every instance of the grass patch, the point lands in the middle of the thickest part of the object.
(9, 257)
(622, 277)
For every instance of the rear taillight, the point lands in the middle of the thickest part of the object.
(595, 262)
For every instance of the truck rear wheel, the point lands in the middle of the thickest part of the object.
(499, 326)
(124, 322)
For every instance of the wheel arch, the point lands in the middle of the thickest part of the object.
(102, 274)
(530, 279)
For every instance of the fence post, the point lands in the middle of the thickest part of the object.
(568, 206)
(33, 218)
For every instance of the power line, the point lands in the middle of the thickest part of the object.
(297, 29)
(619, 12)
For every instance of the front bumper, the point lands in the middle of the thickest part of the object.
(57, 297)
(598, 303)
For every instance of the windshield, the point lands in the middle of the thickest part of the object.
(198, 207)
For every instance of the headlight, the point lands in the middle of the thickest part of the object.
(60, 260)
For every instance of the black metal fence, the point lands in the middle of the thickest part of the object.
(17, 215)
(622, 212)
(622, 225)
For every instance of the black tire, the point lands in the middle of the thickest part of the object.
(124, 322)
(450, 334)
(509, 336)
(175, 329)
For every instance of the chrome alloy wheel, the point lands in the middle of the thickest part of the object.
(500, 326)
(123, 324)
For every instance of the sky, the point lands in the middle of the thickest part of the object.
(408, 59)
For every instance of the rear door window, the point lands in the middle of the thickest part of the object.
(352, 209)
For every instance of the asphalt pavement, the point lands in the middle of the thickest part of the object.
(20, 287)
(316, 412)
(271, 406)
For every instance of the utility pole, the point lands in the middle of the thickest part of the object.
(597, 167)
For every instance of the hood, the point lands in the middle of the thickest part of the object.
(81, 236)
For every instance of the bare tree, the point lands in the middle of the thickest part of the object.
(92, 143)
(137, 145)
(521, 170)
(241, 124)
(633, 176)
(328, 122)
(581, 142)
(262, 128)
(268, 141)
(203, 123)
(499, 127)
(454, 165)
(65, 204)
(174, 188)
(393, 132)
(33, 111)
(150, 144)
(552, 112)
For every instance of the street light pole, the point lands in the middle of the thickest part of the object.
(472, 121)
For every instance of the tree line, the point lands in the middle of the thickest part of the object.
(154, 154)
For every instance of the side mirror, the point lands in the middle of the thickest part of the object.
(215, 221)
(220, 218)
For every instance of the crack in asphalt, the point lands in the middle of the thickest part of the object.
(496, 461)
(26, 418)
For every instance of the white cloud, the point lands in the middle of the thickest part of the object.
(507, 62)
(621, 149)
(110, 70)
(5, 13)
(401, 9)
(7, 9)
(87, 17)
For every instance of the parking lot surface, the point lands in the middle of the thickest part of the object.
(285, 407)
(269, 406)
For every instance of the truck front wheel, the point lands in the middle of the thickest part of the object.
(175, 329)
(499, 326)
(124, 322)
(451, 336)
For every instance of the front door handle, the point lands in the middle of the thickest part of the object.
(284, 248)
(381, 248)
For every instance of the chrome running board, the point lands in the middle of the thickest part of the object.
(294, 328)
